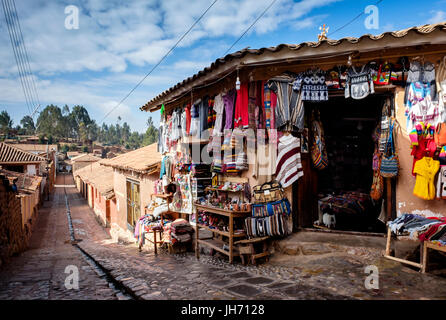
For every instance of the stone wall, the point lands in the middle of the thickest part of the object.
(13, 236)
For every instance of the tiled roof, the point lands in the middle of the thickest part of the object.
(24, 181)
(101, 177)
(11, 154)
(85, 158)
(144, 160)
(153, 104)
(34, 148)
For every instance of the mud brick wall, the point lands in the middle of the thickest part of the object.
(13, 237)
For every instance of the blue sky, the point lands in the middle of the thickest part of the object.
(119, 41)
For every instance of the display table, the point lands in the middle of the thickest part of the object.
(217, 244)
(424, 248)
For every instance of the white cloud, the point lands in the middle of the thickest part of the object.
(437, 16)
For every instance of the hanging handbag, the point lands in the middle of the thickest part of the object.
(389, 161)
(440, 134)
(267, 192)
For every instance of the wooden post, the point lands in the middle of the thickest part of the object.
(389, 241)
(154, 241)
(424, 256)
(197, 247)
(389, 199)
(231, 239)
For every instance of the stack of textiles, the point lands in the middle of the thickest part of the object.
(275, 225)
(217, 165)
(178, 231)
(271, 208)
(425, 229)
(349, 202)
(145, 224)
(201, 170)
(230, 164)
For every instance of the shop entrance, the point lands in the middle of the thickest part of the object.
(343, 187)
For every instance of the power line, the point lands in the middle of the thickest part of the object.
(12, 37)
(27, 60)
(255, 21)
(21, 56)
(160, 61)
(351, 21)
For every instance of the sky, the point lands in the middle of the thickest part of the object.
(118, 42)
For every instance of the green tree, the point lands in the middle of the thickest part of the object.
(51, 122)
(5, 122)
(77, 116)
(28, 125)
(151, 135)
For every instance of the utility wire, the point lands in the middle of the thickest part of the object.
(12, 37)
(21, 56)
(160, 61)
(255, 21)
(27, 60)
(351, 21)
(17, 46)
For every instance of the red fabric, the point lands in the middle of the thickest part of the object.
(188, 118)
(241, 116)
(430, 232)
(425, 148)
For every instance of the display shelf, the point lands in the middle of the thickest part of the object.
(229, 234)
(223, 233)
(217, 189)
(218, 245)
(225, 212)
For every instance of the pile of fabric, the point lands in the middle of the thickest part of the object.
(178, 231)
(418, 227)
(275, 225)
(147, 223)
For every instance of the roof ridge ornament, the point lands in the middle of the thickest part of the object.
(323, 35)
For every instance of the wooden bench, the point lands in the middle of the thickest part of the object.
(247, 249)
(424, 253)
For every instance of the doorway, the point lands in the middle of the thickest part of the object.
(133, 203)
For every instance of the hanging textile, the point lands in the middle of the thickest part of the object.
(359, 84)
(289, 167)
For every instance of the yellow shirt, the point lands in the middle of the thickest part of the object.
(425, 169)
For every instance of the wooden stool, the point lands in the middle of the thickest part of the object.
(247, 248)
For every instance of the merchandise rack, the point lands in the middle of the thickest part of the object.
(217, 244)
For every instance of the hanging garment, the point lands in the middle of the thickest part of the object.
(441, 184)
(265, 165)
(289, 111)
(420, 107)
(359, 84)
(425, 170)
(312, 84)
(195, 120)
(228, 100)
(424, 74)
(252, 94)
(203, 116)
(289, 167)
(219, 110)
(241, 115)
(212, 115)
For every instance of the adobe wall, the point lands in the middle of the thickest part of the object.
(406, 202)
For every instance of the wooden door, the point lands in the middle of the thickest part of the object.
(133, 203)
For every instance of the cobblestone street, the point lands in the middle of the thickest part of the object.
(38, 273)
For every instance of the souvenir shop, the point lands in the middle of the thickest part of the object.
(261, 151)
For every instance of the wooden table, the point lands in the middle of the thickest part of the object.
(424, 252)
(217, 244)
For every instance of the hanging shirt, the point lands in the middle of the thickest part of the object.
(228, 100)
(203, 111)
(289, 111)
(195, 120)
(425, 170)
(219, 108)
(441, 184)
(241, 115)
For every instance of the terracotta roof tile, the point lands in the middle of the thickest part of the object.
(11, 154)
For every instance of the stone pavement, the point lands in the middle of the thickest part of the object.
(39, 272)
(306, 267)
